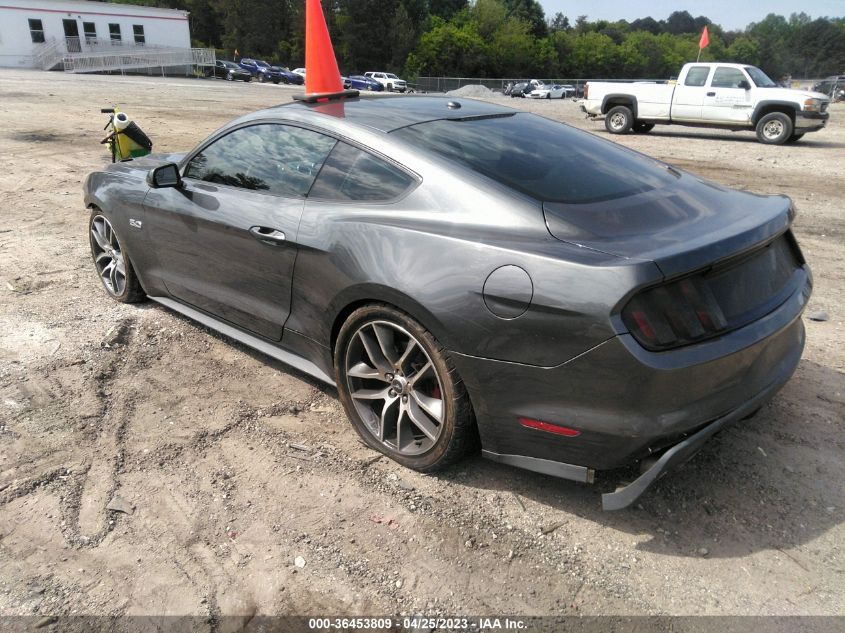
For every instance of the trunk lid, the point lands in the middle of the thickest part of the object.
(681, 227)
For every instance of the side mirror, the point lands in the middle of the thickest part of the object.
(164, 176)
(744, 84)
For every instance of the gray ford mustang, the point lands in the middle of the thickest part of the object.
(571, 304)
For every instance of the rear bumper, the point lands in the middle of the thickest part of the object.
(685, 449)
(629, 403)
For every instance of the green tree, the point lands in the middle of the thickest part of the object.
(744, 50)
(559, 23)
(449, 50)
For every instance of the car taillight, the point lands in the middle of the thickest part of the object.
(714, 301)
(676, 314)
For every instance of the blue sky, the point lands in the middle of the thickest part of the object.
(731, 14)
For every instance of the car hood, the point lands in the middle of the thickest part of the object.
(145, 163)
(681, 228)
(790, 94)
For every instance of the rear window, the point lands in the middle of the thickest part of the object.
(544, 159)
(352, 174)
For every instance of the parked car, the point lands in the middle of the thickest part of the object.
(361, 82)
(287, 76)
(521, 89)
(270, 73)
(391, 82)
(253, 66)
(554, 91)
(728, 96)
(524, 88)
(230, 71)
(299, 71)
(833, 87)
(571, 304)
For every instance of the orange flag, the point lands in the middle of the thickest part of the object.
(704, 42)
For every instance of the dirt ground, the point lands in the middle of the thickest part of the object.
(202, 439)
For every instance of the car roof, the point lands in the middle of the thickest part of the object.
(386, 113)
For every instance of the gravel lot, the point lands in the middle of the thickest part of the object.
(231, 465)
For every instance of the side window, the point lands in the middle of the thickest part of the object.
(727, 78)
(353, 174)
(277, 159)
(36, 31)
(90, 30)
(697, 76)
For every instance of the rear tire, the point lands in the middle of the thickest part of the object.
(774, 128)
(619, 120)
(401, 390)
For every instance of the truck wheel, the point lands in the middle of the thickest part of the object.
(642, 128)
(774, 129)
(390, 87)
(619, 120)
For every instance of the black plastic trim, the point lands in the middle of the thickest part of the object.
(683, 451)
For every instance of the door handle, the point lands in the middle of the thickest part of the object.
(267, 235)
(711, 94)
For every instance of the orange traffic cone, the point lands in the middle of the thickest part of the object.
(322, 76)
(321, 72)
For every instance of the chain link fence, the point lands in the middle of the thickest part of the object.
(445, 84)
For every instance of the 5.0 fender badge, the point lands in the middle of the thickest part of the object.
(135, 224)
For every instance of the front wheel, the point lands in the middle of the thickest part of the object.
(390, 87)
(113, 266)
(401, 391)
(619, 120)
(774, 128)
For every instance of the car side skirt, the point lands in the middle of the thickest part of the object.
(256, 343)
(545, 466)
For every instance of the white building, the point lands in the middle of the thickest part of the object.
(81, 34)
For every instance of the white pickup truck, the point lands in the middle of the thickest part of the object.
(390, 81)
(727, 96)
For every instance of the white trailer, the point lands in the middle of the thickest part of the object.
(39, 33)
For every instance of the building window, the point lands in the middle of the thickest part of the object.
(90, 30)
(114, 33)
(138, 30)
(36, 31)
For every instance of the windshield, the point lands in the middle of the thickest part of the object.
(760, 79)
(230, 64)
(392, 76)
(262, 64)
(569, 166)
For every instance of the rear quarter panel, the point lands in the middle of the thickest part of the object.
(430, 255)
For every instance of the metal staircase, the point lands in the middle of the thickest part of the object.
(91, 55)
